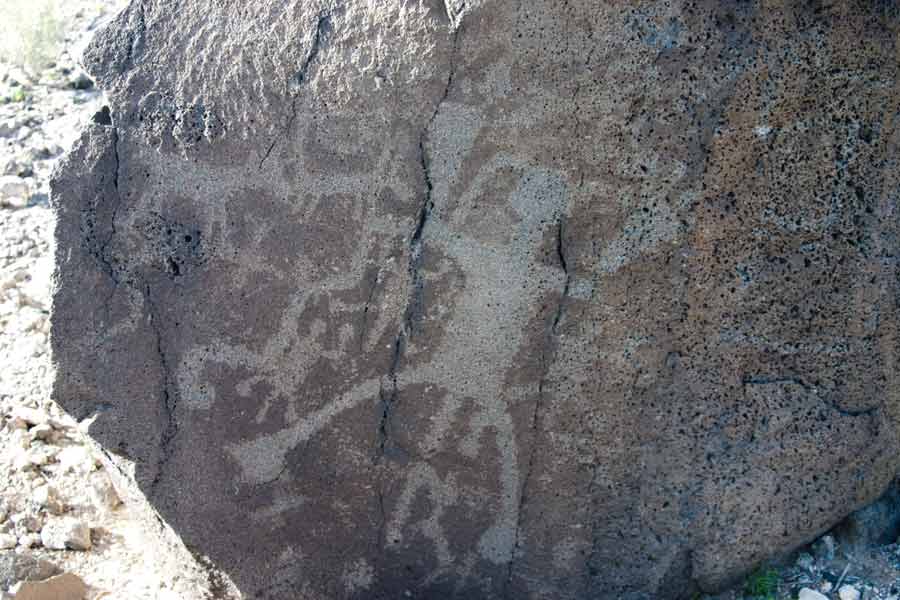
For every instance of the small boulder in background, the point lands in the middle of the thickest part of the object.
(67, 586)
(66, 533)
(21, 566)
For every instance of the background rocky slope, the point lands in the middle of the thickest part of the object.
(59, 509)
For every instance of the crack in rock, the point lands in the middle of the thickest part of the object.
(561, 257)
(364, 326)
(104, 247)
(323, 28)
(387, 398)
(103, 253)
(169, 401)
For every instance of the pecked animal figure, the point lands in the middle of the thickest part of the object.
(488, 299)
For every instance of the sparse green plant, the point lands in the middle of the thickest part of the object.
(31, 32)
(763, 583)
(18, 95)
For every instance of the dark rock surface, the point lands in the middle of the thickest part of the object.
(877, 524)
(489, 299)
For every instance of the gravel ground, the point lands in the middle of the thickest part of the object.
(57, 501)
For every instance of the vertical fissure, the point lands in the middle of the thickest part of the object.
(388, 397)
(103, 251)
(364, 326)
(168, 398)
(323, 27)
(563, 263)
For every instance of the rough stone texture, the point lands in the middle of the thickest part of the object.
(67, 586)
(16, 567)
(489, 299)
(66, 532)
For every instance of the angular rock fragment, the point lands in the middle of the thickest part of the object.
(28, 521)
(67, 586)
(103, 494)
(848, 592)
(14, 191)
(31, 416)
(17, 566)
(30, 540)
(488, 299)
(46, 496)
(41, 432)
(66, 533)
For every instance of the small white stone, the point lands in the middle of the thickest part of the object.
(14, 201)
(9, 127)
(166, 594)
(102, 491)
(40, 456)
(808, 594)
(41, 432)
(27, 523)
(32, 416)
(60, 534)
(14, 191)
(17, 423)
(825, 547)
(19, 438)
(20, 461)
(77, 459)
(13, 185)
(30, 540)
(7, 541)
(806, 562)
(848, 592)
(47, 497)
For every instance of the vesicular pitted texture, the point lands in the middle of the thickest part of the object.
(489, 299)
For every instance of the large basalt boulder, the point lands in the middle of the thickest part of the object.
(489, 299)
